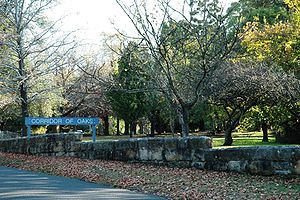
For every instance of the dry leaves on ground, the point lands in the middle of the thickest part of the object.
(173, 183)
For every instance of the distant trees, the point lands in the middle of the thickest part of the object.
(186, 45)
(263, 11)
(82, 95)
(130, 97)
(278, 42)
(29, 44)
(241, 86)
(193, 67)
(81, 82)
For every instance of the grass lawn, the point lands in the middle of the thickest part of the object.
(239, 139)
(245, 141)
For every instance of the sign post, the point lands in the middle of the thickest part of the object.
(28, 131)
(94, 133)
(92, 121)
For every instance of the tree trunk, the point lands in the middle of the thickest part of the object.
(228, 132)
(184, 121)
(141, 125)
(228, 137)
(172, 126)
(118, 126)
(106, 125)
(126, 132)
(2, 126)
(134, 124)
(158, 123)
(264, 128)
(23, 82)
(232, 123)
(132, 129)
(152, 131)
(24, 106)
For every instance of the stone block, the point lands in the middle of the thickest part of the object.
(150, 149)
(68, 147)
(260, 167)
(297, 167)
(171, 155)
(104, 150)
(76, 147)
(170, 143)
(296, 153)
(234, 153)
(280, 153)
(199, 142)
(218, 166)
(142, 149)
(70, 154)
(183, 150)
(61, 153)
(282, 172)
(155, 149)
(211, 155)
(237, 166)
(198, 155)
(84, 146)
(126, 150)
(182, 143)
(282, 166)
(58, 146)
(170, 152)
(198, 165)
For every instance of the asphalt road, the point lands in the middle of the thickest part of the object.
(20, 184)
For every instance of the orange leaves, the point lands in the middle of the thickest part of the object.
(174, 183)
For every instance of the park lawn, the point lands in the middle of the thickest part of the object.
(239, 139)
(245, 141)
(170, 182)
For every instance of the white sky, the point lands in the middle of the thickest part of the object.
(93, 17)
(90, 18)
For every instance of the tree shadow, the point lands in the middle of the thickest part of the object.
(19, 184)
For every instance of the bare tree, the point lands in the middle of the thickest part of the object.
(187, 44)
(240, 86)
(82, 92)
(31, 43)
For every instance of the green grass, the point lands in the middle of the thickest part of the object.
(239, 139)
(248, 139)
(124, 137)
(245, 141)
(111, 137)
(249, 134)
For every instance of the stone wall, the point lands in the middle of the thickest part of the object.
(49, 144)
(8, 135)
(184, 152)
(145, 149)
(266, 160)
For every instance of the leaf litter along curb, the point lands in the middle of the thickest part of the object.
(173, 183)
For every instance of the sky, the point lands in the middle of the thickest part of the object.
(91, 18)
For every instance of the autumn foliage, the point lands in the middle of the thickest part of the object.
(171, 182)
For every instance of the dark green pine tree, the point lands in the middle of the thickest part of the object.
(128, 97)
